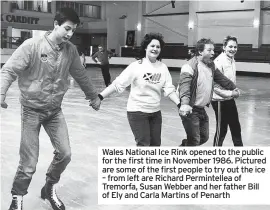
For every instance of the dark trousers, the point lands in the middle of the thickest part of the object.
(227, 115)
(106, 74)
(196, 126)
(55, 125)
(146, 127)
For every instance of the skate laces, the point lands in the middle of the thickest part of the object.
(18, 200)
(54, 197)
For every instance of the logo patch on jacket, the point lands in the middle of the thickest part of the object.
(44, 58)
(152, 78)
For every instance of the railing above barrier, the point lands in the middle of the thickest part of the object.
(245, 52)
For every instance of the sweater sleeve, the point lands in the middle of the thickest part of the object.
(223, 93)
(186, 76)
(168, 87)
(124, 79)
(17, 63)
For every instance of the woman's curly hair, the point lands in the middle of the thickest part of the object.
(146, 40)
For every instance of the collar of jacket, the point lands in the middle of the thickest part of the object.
(193, 62)
(227, 57)
(54, 47)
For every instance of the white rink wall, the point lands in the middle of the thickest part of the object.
(241, 66)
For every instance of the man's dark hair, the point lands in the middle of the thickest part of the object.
(67, 14)
(201, 44)
(229, 38)
(146, 40)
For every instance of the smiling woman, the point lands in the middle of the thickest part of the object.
(148, 77)
(151, 47)
(223, 101)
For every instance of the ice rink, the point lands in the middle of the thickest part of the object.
(89, 129)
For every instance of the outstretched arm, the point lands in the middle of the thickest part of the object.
(120, 83)
(185, 81)
(169, 89)
(15, 65)
(184, 89)
(222, 92)
(223, 81)
(107, 92)
(78, 72)
(174, 98)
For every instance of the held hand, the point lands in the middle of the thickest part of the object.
(3, 103)
(185, 110)
(235, 93)
(95, 104)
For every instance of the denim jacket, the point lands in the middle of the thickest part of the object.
(42, 70)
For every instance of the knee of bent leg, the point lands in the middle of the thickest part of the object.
(66, 156)
(28, 167)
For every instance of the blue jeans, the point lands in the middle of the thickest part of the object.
(55, 125)
(196, 126)
(146, 127)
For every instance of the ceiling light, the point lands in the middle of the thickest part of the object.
(256, 23)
